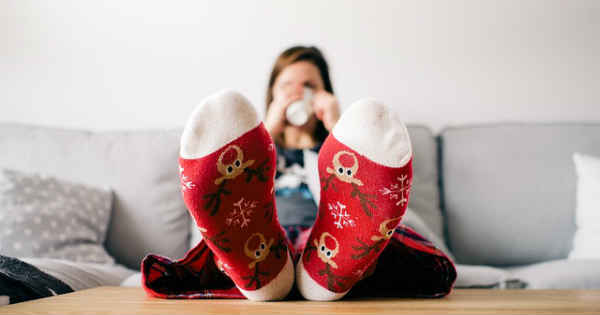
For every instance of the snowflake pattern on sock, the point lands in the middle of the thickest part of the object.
(398, 191)
(340, 215)
(239, 216)
(185, 182)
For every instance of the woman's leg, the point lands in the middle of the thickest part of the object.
(227, 166)
(365, 167)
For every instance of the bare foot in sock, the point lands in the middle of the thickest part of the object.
(227, 165)
(365, 167)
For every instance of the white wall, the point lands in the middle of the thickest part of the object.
(141, 64)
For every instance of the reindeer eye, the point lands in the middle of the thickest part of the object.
(262, 245)
(341, 170)
(257, 253)
(322, 248)
(229, 169)
(328, 253)
(349, 172)
(237, 163)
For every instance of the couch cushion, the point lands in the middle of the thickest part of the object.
(139, 166)
(480, 277)
(424, 197)
(509, 190)
(80, 276)
(560, 274)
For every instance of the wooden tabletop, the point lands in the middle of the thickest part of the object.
(121, 300)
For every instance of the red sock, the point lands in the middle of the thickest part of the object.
(366, 171)
(227, 166)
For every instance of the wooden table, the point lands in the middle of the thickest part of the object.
(121, 300)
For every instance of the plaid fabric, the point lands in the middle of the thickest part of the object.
(410, 266)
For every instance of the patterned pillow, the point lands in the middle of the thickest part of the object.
(50, 218)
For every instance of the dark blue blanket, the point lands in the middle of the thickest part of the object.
(21, 281)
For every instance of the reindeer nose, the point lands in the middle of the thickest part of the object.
(346, 160)
(229, 155)
(329, 242)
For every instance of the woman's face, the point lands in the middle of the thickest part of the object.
(294, 77)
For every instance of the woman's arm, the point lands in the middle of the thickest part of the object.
(275, 117)
(327, 108)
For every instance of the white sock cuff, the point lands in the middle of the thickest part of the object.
(278, 288)
(374, 130)
(310, 289)
(219, 119)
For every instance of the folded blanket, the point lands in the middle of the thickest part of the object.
(81, 275)
(410, 266)
(20, 281)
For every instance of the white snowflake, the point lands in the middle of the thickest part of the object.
(240, 214)
(339, 213)
(398, 191)
(185, 183)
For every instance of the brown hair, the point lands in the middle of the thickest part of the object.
(301, 53)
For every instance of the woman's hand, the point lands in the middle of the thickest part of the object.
(326, 108)
(275, 116)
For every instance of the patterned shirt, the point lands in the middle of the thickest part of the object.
(295, 202)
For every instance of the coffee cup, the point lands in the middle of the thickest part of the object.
(299, 111)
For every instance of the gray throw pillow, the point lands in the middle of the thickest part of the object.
(46, 217)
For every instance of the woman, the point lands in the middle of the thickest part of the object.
(296, 69)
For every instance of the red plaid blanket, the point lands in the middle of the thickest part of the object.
(410, 266)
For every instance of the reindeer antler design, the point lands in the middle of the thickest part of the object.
(345, 174)
(233, 170)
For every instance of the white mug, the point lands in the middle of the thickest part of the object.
(299, 111)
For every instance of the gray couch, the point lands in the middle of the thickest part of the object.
(499, 199)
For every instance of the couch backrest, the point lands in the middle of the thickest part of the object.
(140, 166)
(424, 196)
(149, 215)
(509, 189)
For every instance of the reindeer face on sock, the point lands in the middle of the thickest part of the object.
(386, 229)
(325, 250)
(234, 168)
(257, 248)
(345, 173)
